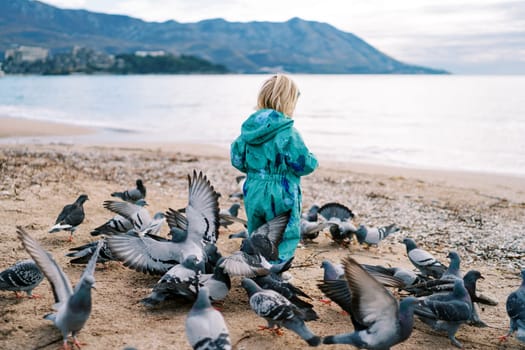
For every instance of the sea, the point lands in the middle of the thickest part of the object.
(447, 122)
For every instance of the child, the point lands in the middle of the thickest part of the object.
(274, 157)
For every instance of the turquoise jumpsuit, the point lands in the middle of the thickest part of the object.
(274, 157)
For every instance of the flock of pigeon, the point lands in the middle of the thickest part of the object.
(192, 269)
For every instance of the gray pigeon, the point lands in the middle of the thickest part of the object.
(134, 194)
(340, 217)
(408, 277)
(70, 217)
(453, 271)
(83, 253)
(205, 326)
(516, 311)
(374, 235)
(450, 310)
(73, 306)
(379, 321)
(23, 276)
(423, 260)
(278, 311)
(175, 283)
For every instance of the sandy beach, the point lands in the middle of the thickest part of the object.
(478, 215)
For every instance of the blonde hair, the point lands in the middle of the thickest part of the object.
(279, 93)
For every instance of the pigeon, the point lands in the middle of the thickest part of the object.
(83, 253)
(450, 310)
(175, 282)
(332, 271)
(73, 306)
(205, 326)
(453, 271)
(132, 195)
(372, 236)
(423, 260)
(156, 255)
(278, 311)
(118, 223)
(340, 217)
(225, 214)
(289, 291)
(516, 311)
(23, 276)
(70, 217)
(379, 322)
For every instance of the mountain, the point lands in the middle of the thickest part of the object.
(295, 46)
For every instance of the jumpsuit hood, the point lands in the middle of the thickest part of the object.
(263, 125)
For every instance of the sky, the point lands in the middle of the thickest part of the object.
(461, 36)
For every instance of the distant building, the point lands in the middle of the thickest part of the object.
(27, 54)
(150, 53)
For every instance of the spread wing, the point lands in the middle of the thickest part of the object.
(60, 284)
(202, 211)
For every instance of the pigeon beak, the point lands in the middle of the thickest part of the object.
(94, 286)
(481, 276)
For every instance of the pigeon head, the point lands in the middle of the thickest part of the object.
(234, 209)
(159, 215)
(82, 198)
(141, 202)
(250, 286)
(190, 262)
(89, 281)
(473, 275)
(139, 183)
(409, 243)
(407, 304)
(203, 299)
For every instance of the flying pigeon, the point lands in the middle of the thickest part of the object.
(278, 311)
(340, 217)
(423, 260)
(374, 235)
(70, 217)
(450, 310)
(73, 306)
(379, 322)
(132, 195)
(118, 224)
(516, 311)
(205, 326)
(23, 276)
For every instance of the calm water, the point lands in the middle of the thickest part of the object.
(448, 122)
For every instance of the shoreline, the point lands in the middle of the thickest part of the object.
(493, 185)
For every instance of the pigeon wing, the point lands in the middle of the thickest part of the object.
(371, 302)
(144, 254)
(202, 211)
(137, 214)
(59, 281)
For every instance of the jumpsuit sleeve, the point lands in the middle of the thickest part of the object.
(300, 160)
(238, 154)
